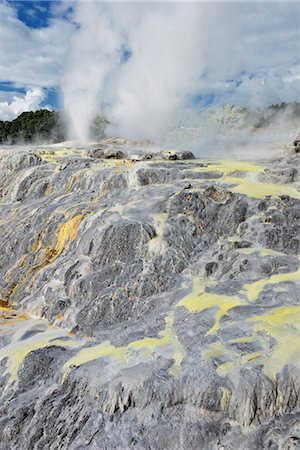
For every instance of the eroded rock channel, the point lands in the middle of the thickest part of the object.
(148, 302)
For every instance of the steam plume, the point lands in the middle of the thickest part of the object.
(147, 65)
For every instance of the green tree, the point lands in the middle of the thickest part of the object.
(98, 126)
(34, 127)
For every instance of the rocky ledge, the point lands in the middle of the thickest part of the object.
(148, 302)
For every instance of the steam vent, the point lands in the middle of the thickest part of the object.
(149, 300)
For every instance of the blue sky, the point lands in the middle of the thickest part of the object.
(51, 100)
(242, 53)
(33, 14)
(33, 54)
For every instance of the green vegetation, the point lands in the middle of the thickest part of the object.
(264, 117)
(43, 126)
(34, 127)
(98, 127)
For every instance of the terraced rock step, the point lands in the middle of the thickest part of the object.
(148, 302)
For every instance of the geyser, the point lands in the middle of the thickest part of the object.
(148, 67)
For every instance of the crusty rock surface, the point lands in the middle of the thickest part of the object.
(148, 303)
(296, 143)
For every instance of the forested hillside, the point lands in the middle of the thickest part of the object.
(46, 126)
(34, 127)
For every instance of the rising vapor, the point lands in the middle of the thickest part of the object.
(147, 66)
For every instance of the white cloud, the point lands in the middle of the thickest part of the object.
(20, 103)
(32, 56)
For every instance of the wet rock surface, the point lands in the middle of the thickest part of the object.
(148, 302)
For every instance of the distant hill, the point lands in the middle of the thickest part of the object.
(34, 127)
(43, 126)
(46, 126)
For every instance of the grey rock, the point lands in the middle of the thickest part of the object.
(296, 143)
(151, 304)
(176, 154)
(106, 153)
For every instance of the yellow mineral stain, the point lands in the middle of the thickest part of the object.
(282, 324)
(277, 333)
(234, 239)
(66, 343)
(217, 350)
(256, 189)
(262, 251)
(251, 357)
(57, 168)
(226, 394)
(37, 244)
(167, 338)
(7, 318)
(75, 178)
(199, 300)
(224, 369)
(19, 263)
(17, 350)
(242, 340)
(66, 233)
(105, 349)
(51, 155)
(127, 164)
(214, 350)
(254, 289)
(4, 309)
(48, 190)
(131, 353)
(230, 167)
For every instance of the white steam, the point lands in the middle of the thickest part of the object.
(146, 64)
(94, 50)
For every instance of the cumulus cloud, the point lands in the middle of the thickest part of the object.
(243, 53)
(32, 56)
(28, 102)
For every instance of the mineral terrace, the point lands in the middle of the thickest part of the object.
(148, 300)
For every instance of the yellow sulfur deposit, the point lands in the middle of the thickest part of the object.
(131, 352)
(262, 251)
(199, 300)
(51, 155)
(167, 338)
(254, 289)
(229, 167)
(66, 233)
(282, 324)
(226, 394)
(248, 183)
(105, 349)
(277, 333)
(256, 189)
(216, 350)
(18, 349)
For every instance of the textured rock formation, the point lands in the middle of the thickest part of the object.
(148, 303)
(296, 143)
